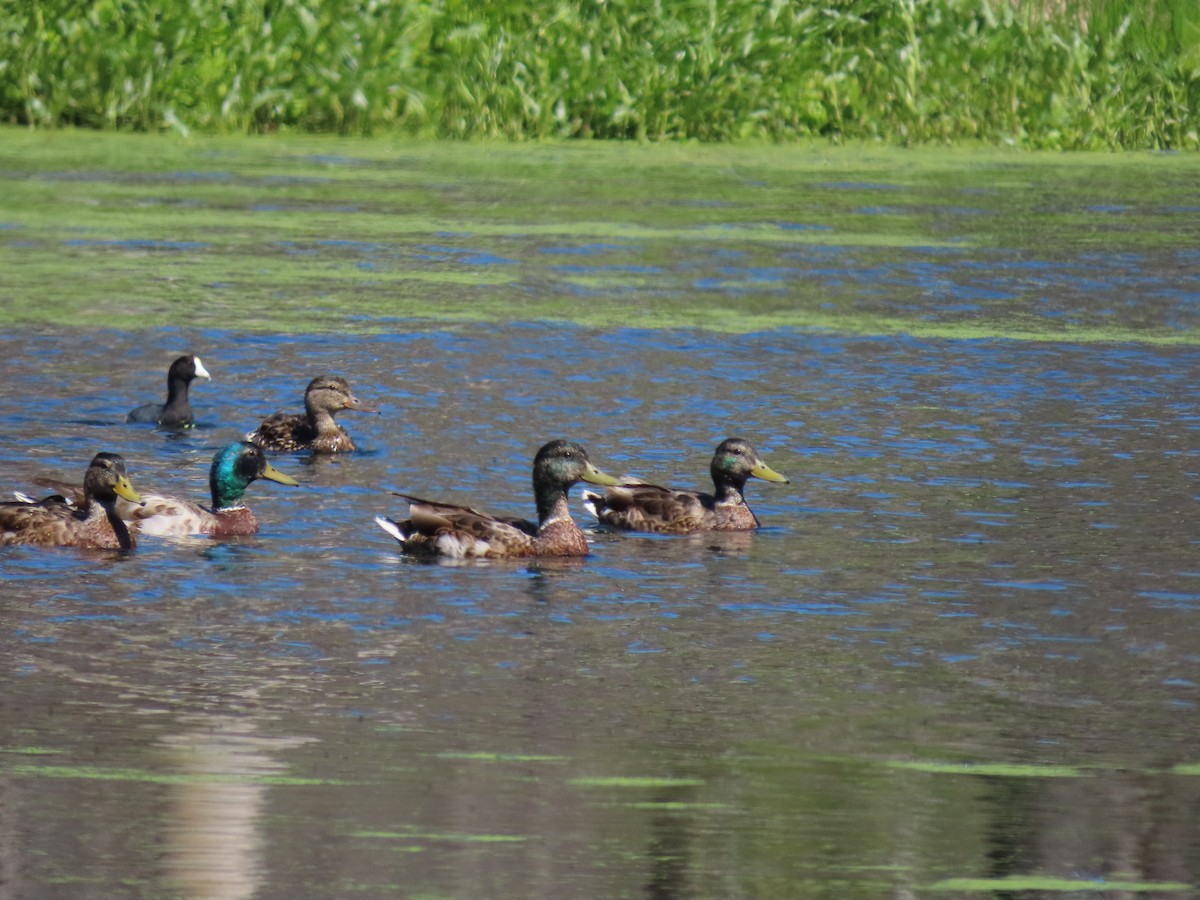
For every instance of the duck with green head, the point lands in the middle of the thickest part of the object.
(316, 430)
(233, 468)
(442, 529)
(93, 522)
(637, 506)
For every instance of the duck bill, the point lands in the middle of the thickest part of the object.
(592, 475)
(357, 405)
(273, 474)
(202, 372)
(766, 473)
(124, 489)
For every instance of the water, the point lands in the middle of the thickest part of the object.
(960, 659)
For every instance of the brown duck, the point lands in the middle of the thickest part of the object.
(442, 529)
(233, 468)
(637, 506)
(56, 522)
(316, 430)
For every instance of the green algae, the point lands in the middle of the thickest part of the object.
(625, 781)
(502, 757)
(668, 806)
(299, 235)
(441, 837)
(1057, 885)
(97, 773)
(1018, 770)
(997, 770)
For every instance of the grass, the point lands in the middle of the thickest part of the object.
(1083, 75)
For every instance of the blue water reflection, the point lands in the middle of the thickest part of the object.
(987, 554)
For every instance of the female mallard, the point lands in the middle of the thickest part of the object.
(315, 430)
(177, 411)
(441, 529)
(647, 507)
(95, 524)
(233, 468)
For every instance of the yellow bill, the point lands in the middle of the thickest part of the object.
(766, 473)
(592, 475)
(124, 489)
(273, 474)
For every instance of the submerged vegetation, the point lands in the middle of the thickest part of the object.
(1072, 74)
(299, 233)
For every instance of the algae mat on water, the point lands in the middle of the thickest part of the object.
(296, 234)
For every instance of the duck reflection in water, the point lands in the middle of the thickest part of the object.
(214, 836)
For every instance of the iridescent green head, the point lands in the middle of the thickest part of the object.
(234, 467)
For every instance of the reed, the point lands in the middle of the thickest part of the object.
(1057, 74)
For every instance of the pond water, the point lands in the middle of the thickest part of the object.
(962, 658)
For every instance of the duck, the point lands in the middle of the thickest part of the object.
(54, 521)
(233, 467)
(637, 506)
(460, 532)
(177, 411)
(316, 430)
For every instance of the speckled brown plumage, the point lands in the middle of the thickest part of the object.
(233, 468)
(638, 506)
(316, 430)
(444, 529)
(95, 524)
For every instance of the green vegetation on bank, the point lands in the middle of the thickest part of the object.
(1072, 74)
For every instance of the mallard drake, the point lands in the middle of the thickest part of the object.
(638, 506)
(316, 430)
(442, 529)
(233, 468)
(177, 411)
(55, 522)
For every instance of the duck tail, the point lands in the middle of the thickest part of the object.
(393, 528)
(594, 503)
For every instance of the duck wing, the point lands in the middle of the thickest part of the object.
(447, 529)
(52, 522)
(162, 515)
(282, 431)
(638, 506)
(148, 413)
(71, 492)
